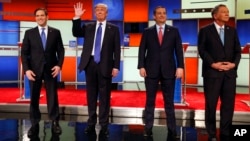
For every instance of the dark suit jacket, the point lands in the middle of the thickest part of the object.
(211, 50)
(161, 59)
(34, 56)
(110, 51)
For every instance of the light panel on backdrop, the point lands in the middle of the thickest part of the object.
(9, 33)
(243, 28)
(132, 27)
(135, 11)
(25, 25)
(243, 10)
(69, 65)
(133, 32)
(8, 70)
(120, 26)
(65, 28)
(188, 35)
(1, 9)
(20, 10)
(202, 9)
(80, 76)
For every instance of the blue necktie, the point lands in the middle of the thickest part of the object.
(98, 44)
(43, 38)
(222, 35)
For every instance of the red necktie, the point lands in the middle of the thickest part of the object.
(160, 35)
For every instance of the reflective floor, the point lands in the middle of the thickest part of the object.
(15, 129)
(14, 124)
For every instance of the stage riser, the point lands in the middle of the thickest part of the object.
(119, 114)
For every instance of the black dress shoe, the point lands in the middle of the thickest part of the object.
(148, 132)
(56, 129)
(148, 138)
(92, 136)
(172, 136)
(33, 131)
(89, 129)
(103, 137)
(35, 138)
(212, 139)
(224, 137)
(55, 137)
(104, 131)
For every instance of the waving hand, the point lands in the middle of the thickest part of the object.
(78, 10)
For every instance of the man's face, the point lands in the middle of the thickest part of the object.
(160, 16)
(101, 12)
(41, 18)
(223, 15)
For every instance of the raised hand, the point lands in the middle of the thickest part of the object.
(78, 9)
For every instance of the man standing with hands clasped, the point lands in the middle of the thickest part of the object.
(220, 51)
(161, 60)
(100, 59)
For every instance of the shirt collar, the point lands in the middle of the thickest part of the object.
(218, 27)
(103, 23)
(40, 28)
(158, 27)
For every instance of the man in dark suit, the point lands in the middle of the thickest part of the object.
(219, 70)
(43, 60)
(100, 59)
(161, 60)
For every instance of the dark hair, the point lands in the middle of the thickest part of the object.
(43, 9)
(154, 12)
(216, 9)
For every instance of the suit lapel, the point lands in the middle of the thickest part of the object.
(215, 33)
(155, 35)
(49, 34)
(166, 30)
(37, 37)
(227, 33)
(107, 30)
(92, 36)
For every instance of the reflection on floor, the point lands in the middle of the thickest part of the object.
(14, 127)
(16, 130)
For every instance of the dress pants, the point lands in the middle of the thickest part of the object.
(50, 84)
(97, 85)
(225, 89)
(167, 87)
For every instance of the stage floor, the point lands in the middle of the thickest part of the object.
(126, 122)
(14, 127)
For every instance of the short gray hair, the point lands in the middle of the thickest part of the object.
(101, 4)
